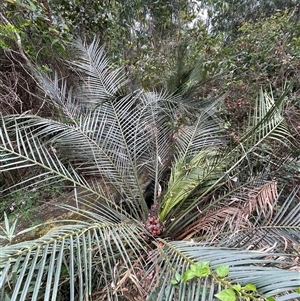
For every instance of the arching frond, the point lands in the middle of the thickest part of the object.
(278, 231)
(57, 93)
(268, 124)
(245, 267)
(119, 142)
(236, 211)
(21, 148)
(100, 81)
(75, 257)
(204, 132)
(267, 121)
(111, 147)
(187, 176)
(196, 162)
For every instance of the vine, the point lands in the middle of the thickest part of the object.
(231, 292)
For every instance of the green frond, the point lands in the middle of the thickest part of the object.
(204, 132)
(21, 148)
(70, 257)
(60, 97)
(268, 124)
(245, 267)
(196, 164)
(99, 81)
(186, 176)
(267, 121)
(113, 149)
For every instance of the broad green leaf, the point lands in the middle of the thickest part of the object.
(237, 287)
(226, 295)
(202, 269)
(270, 299)
(176, 279)
(250, 287)
(222, 270)
(298, 290)
(202, 264)
(193, 267)
(188, 275)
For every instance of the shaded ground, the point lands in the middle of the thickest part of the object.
(46, 216)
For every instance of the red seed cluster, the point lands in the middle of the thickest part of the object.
(153, 225)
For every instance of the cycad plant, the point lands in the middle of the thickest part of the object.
(164, 206)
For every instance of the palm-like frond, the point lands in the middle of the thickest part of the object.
(100, 81)
(22, 148)
(114, 142)
(111, 147)
(196, 161)
(125, 138)
(186, 176)
(258, 201)
(71, 255)
(267, 121)
(245, 267)
(59, 96)
(123, 142)
(279, 230)
(268, 125)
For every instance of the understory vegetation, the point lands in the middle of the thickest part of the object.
(149, 150)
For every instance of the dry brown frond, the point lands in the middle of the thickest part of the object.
(237, 214)
(261, 200)
(213, 221)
